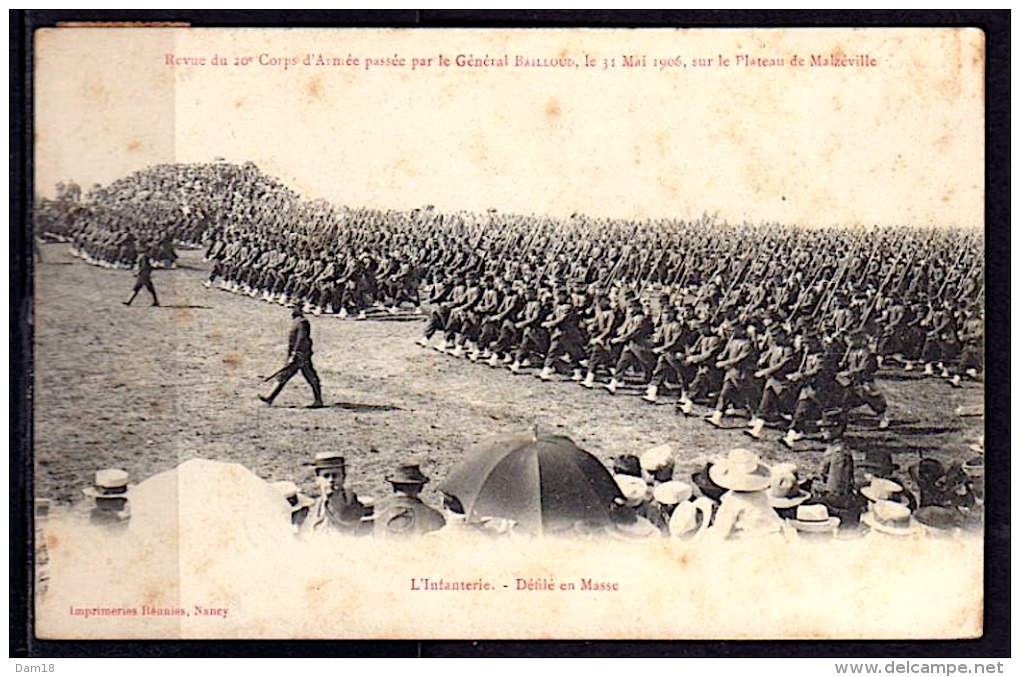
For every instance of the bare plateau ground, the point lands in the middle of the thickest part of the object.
(146, 388)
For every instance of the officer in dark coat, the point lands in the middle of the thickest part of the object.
(299, 359)
(143, 281)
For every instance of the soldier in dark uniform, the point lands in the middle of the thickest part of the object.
(671, 339)
(534, 336)
(776, 362)
(858, 379)
(143, 281)
(405, 514)
(566, 340)
(606, 320)
(700, 377)
(635, 350)
(500, 330)
(817, 380)
(972, 353)
(299, 359)
(738, 359)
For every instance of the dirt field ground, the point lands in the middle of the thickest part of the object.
(145, 388)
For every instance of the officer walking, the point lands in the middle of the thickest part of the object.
(143, 280)
(299, 359)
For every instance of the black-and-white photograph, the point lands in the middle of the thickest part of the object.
(353, 333)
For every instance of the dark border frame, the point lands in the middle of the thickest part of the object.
(994, 643)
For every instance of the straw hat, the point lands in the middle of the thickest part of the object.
(890, 518)
(881, 490)
(657, 458)
(110, 483)
(814, 519)
(408, 473)
(329, 460)
(741, 470)
(690, 516)
(634, 490)
(673, 492)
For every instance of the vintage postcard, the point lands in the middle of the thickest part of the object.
(508, 334)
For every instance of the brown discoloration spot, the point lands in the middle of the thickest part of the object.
(134, 145)
(93, 88)
(238, 103)
(406, 166)
(151, 595)
(233, 359)
(552, 109)
(661, 141)
(183, 316)
(52, 542)
(314, 88)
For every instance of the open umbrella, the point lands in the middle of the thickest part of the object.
(540, 481)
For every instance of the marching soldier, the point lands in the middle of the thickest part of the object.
(738, 359)
(816, 378)
(634, 339)
(699, 372)
(858, 378)
(670, 343)
(777, 362)
(566, 340)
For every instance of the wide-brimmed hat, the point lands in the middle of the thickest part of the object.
(289, 490)
(329, 460)
(110, 483)
(785, 490)
(407, 473)
(877, 463)
(890, 518)
(813, 519)
(881, 490)
(657, 458)
(741, 470)
(634, 490)
(673, 492)
(689, 516)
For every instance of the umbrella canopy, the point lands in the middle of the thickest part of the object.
(540, 481)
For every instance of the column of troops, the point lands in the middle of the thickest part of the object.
(792, 332)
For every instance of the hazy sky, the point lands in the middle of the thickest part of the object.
(900, 141)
